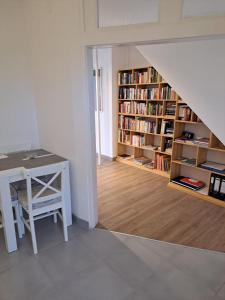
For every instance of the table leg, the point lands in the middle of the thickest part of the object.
(68, 196)
(7, 215)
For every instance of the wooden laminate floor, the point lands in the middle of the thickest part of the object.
(137, 202)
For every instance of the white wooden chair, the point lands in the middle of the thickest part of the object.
(44, 196)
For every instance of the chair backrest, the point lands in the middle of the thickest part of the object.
(45, 183)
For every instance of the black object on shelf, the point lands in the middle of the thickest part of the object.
(217, 187)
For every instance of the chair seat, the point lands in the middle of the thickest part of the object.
(22, 195)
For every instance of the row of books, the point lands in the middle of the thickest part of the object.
(139, 93)
(155, 109)
(140, 77)
(149, 93)
(141, 108)
(123, 137)
(217, 187)
(127, 93)
(162, 162)
(137, 125)
(170, 108)
(125, 78)
(154, 76)
(162, 126)
(138, 140)
(133, 108)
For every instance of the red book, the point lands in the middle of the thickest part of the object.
(193, 182)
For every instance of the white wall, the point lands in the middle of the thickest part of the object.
(18, 126)
(196, 70)
(61, 92)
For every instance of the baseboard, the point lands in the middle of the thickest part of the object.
(80, 222)
(105, 157)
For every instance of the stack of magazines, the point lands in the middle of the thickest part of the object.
(193, 184)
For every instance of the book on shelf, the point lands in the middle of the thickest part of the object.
(150, 165)
(127, 93)
(188, 161)
(162, 162)
(138, 140)
(133, 107)
(125, 156)
(141, 77)
(186, 136)
(201, 141)
(125, 78)
(217, 187)
(149, 93)
(142, 160)
(184, 113)
(155, 77)
(155, 109)
(168, 143)
(165, 92)
(167, 127)
(123, 137)
(138, 124)
(191, 183)
(170, 109)
(213, 166)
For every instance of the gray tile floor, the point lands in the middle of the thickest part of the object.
(101, 265)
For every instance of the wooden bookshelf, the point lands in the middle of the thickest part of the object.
(151, 119)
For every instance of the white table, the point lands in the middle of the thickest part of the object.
(11, 170)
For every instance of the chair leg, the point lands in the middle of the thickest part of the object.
(33, 234)
(65, 231)
(21, 218)
(55, 217)
(19, 222)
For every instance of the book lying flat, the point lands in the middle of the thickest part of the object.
(124, 156)
(189, 161)
(142, 160)
(188, 182)
(216, 167)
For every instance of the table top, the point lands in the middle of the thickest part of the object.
(29, 159)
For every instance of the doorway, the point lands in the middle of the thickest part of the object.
(137, 202)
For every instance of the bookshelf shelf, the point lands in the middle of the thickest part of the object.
(163, 118)
(148, 116)
(196, 167)
(148, 100)
(131, 162)
(189, 122)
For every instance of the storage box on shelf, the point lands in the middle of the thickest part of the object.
(162, 134)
